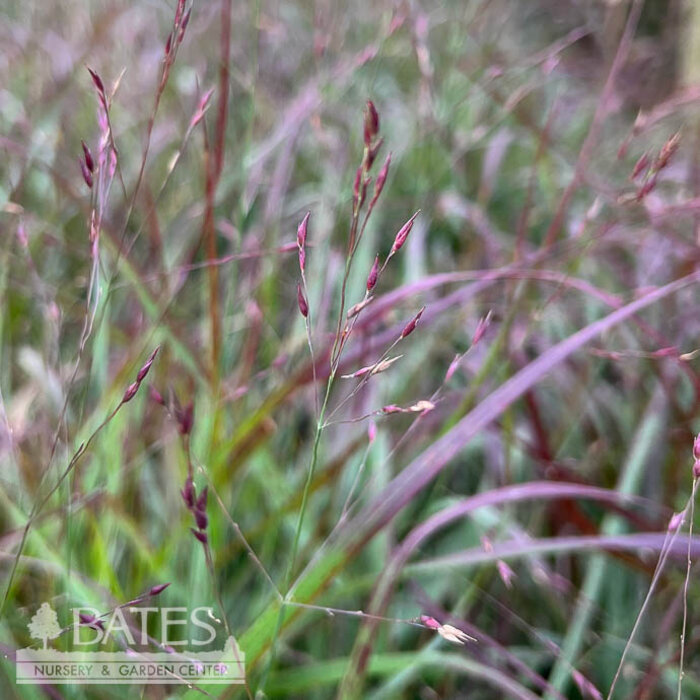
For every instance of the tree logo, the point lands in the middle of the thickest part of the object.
(44, 624)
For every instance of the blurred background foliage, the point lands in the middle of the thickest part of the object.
(486, 107)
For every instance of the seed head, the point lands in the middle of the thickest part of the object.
(373, 273)
(155, 395)
(202, 500)
(481, 328)
(130, 392)
(87, 175)
(381, 179)
(144, 370)
(301, 241)
(301, 230)
(201, 519)
(97, 81)
(429, 622)
(402, 235)
(89, 162)
(301, 300)
(188, 493)
(157, 590)
(201, 536)
(411, 325)
(667, 151)
(185, 419)
(371, 123)
(640, 166)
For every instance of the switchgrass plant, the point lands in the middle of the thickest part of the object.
(371, 328)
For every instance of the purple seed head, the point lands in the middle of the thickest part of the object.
(371, 123)
(144, 370)
(301, 301)
(411, 325)
(188, 492)
(155, 395)
(301, 230)
(201, 536)
(200, 517)
(381, 179)
(429, 622)
(157, 590)
(185, 419)
(87, 175)
(402, 235)
(130, 392)
(373, 273)
(88, 157)
(97, 81)
(202, 500)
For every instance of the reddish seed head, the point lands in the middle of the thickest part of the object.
(371, 123)
(155, 395)
(429, 622)
(381, 179)
(363, 195)
(640, 165)
(696, 469)
(178, 10)
(185, 22)
(303, 306)
(481, 328)
(157, 590)
(87, 175)
(371, 153)
(186, 419)
(301, 241)
(130, 392)
(202, 500)
(667, 151)
(88, 157)
(402, 235)
(696, 447)
(373, 273)
(97, 81)
(144, 370)
(201, 536)
(301, 230)
(411, 325)
(201, 519)
(392, 408)
(168, 44)
(189, 493)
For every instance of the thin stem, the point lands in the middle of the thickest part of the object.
(665, 551)
(685, 589)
